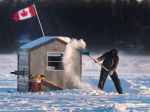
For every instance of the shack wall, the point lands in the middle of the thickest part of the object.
(23, 65)
(39, 59)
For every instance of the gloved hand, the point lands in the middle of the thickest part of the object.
(110, 72)
(96, 60)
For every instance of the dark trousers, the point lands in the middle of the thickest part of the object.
(114, 77)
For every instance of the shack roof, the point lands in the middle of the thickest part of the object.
(43, 40)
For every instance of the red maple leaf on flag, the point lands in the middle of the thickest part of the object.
(24, 13)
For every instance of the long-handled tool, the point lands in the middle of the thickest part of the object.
(88, 54)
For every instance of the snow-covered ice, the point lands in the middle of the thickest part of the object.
(133, 72)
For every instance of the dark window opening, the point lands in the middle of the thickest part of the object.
(54, 58)
(55, 61)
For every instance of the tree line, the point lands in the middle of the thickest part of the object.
(101, 23)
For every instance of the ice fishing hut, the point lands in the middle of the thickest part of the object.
(43, 57)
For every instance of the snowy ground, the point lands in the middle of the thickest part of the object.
(133, 71)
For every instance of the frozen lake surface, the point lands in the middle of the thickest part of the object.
(133, 71)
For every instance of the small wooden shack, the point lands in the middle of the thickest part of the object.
(43, 56)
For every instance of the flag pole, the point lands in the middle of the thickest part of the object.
(39, 20)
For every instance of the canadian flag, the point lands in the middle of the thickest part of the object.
(24, 13)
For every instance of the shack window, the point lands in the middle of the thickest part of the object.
(55, 61)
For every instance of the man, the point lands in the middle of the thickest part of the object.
(110, 61)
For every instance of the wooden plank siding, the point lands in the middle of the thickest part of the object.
(23, 64)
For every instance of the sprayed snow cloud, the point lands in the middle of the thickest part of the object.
(69, 61)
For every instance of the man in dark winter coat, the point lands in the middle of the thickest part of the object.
(110, 62)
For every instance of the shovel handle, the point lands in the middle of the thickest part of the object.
(101, 65)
